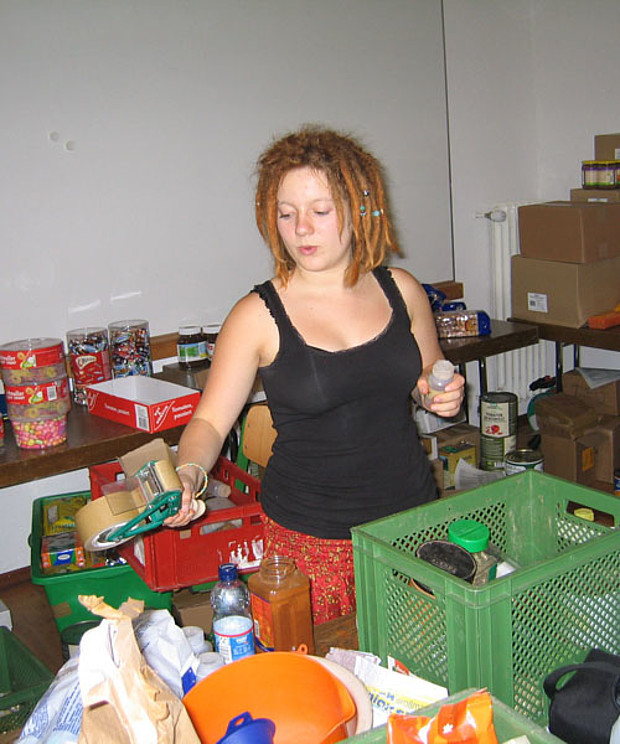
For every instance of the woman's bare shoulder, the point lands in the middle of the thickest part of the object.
(411, 289)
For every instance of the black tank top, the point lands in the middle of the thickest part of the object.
(347, 449)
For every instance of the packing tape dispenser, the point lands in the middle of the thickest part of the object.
(132, 506)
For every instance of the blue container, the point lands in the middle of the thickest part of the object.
(244, 729)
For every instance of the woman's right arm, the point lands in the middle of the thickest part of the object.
(241, 348)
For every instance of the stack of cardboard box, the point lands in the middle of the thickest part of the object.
(580, 431)
(569, 260)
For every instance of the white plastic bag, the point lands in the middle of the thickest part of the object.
(57, 716)
(165, 647)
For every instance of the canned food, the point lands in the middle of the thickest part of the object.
(523, 459)
(498, 428)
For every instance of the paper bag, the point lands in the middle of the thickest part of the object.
(125, 702)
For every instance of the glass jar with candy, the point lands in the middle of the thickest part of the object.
(89, 359)
(130, 348)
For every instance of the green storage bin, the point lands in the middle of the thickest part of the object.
(114, 583)
(509, 634)
(23, 680)
(508, 723)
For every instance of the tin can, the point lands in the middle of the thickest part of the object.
(523, 459)
(498, 429)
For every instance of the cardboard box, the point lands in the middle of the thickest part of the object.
(607, 147)
(450, 456)
(608, 455)
(604, 196)
(575, 232)
(604, 399)
(193, 608)
(459, 433)
(565, 416)
(571, 459)
(562, 293)
(142, 402)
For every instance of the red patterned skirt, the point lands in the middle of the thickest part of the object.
(327, 563)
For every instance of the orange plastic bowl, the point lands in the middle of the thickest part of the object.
(307, 703)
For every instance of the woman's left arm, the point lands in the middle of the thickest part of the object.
(447, 403)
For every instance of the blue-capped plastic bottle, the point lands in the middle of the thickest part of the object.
(232, 617)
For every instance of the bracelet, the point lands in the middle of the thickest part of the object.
(205, 475)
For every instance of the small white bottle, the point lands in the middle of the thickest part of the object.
(442, 375)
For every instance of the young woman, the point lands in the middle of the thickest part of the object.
(342, 344)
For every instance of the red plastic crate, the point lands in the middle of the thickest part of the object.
(176, 558)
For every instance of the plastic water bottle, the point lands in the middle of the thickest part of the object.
(232, 617)
(442, 375)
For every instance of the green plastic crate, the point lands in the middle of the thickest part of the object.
(23, 680)
(114, 583)
(507, 722)
(509, 634)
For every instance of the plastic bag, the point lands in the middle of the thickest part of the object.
(167, 650)
(470, 721)
(57, 717)
(125, 701)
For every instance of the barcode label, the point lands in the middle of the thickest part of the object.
(142, 417)
(537, 303)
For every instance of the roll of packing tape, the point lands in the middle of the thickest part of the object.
(98, 518)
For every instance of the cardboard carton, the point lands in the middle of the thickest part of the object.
(193, 608)
(607, 147)
(571, 459)
(604, 399)
(450, 456)
(604, 196)
(576, 232)
(142, 402)
(608, 454)
(562, 293)
(565, 416)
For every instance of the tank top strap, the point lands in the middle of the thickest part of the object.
(392, 292)
(267, 292)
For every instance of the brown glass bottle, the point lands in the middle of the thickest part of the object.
(280, 597)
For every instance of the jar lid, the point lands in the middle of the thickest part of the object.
(469, 534)
(449, 557)
(189, 330)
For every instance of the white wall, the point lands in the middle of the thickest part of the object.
(529, 84)
(526, 96)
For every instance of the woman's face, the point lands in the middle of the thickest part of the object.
(308, 222)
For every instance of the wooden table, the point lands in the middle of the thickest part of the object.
(608, 340)
(505, 336)
(92, 440)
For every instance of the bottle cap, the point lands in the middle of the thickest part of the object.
(443, 369)
(470, 535)
(227, 572)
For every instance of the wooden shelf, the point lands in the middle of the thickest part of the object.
(93, 440)
(608, 339)
(90, 440)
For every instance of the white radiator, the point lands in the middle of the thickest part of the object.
(513, 370)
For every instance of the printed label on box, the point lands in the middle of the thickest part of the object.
(537, 303)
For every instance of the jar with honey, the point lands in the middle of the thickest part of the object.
(280, 598)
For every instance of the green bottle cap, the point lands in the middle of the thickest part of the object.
(470, 535)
